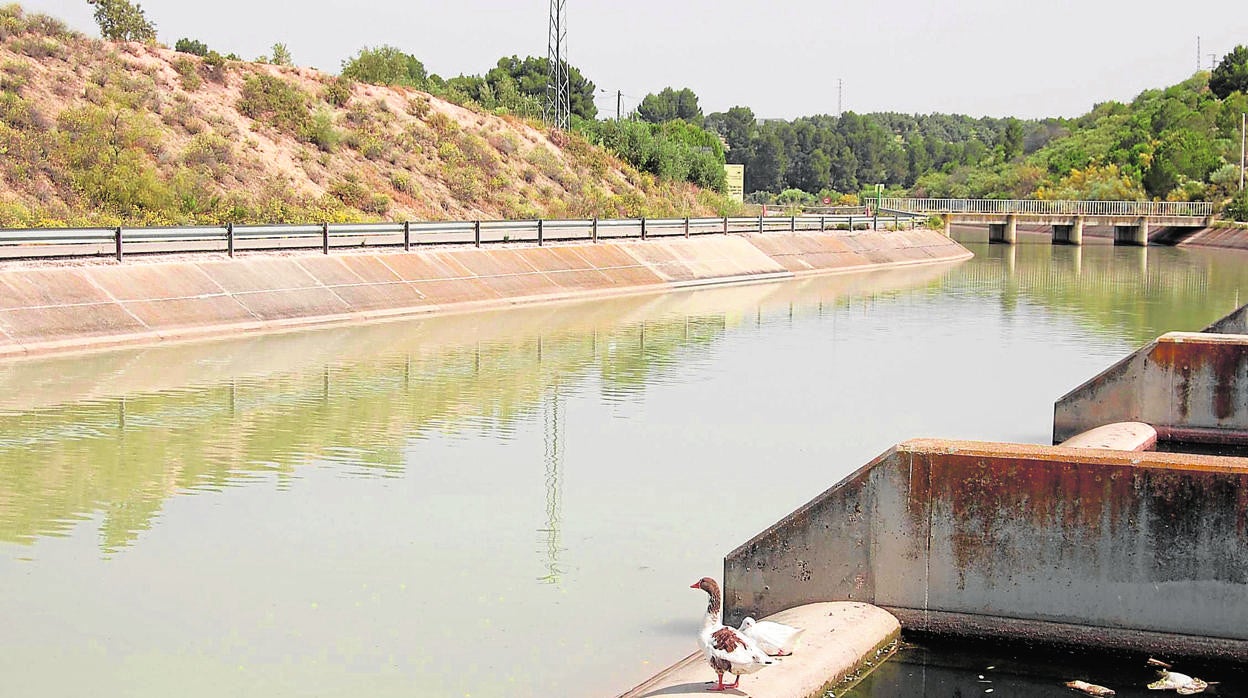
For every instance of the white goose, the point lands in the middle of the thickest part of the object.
(726, 649)
(776, 639)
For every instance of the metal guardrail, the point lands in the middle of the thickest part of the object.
(1197, 209)
(118, 242)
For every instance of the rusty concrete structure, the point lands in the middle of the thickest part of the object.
(1190, 386)
(58, 306)
(1097, 548)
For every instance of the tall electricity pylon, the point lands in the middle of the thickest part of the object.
(558, 88)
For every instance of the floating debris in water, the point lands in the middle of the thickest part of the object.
(1168, 680)
(1089, 688)
(1183, 684)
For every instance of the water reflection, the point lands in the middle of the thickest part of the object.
(118, 433)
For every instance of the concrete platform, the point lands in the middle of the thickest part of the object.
(843, 640)
(1120, 436)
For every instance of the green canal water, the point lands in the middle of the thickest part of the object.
(509, 503)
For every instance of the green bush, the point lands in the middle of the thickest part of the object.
(188, 72)
(320, 131)
(1237, 209)
(385, 65)
(211, 151)
(36, 46)
(14, 75)
(281, 55)
(278, 103)
(191, 46)
(216, 66)
(338, 91)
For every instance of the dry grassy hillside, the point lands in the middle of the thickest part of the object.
(101, 133)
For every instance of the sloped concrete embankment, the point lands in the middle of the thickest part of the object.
(1223, 237)
(48, 308)
(1106, 549)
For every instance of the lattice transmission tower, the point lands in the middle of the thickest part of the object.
(558, 87)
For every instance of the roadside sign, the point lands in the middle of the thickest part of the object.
(734, 182)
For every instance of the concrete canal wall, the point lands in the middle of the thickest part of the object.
(48, 307)
(1141, 551)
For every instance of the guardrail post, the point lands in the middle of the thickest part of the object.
(792, 224)
(686, 226)
(851, 222)
(117, 237)
(760, 222)
(593, 230)
(476, 233)
(823, 224)
(643, 227)
(407, 236)
(725, 225)
(539, 232)
(229, 239)
(325, 238)
(896, 222)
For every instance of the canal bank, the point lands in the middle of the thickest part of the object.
(47, 307)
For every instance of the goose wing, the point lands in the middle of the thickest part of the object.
(730, 645)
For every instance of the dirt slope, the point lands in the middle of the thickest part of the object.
(100, 133)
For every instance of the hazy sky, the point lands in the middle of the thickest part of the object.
(1027, 58)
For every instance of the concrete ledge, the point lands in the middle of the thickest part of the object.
(843, 640)
(1120, 436)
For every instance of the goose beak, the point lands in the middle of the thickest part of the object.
(696, 585)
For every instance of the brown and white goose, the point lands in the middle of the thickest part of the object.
(726, 649)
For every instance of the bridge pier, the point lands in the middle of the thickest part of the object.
(948, 221)
(1069, 234)
(1005, 233)
(1134, 234)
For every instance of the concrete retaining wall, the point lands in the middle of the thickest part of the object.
(46, 307)
(1142, 551)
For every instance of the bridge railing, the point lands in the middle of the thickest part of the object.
(1201, 209)
(79, 242)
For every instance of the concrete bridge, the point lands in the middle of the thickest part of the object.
(1132, 220)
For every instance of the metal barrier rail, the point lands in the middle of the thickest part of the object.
(1200, 209)
(117, 242)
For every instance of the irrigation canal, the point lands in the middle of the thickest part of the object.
(510, 503)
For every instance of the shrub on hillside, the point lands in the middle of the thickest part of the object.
(191, 46)
(320, 131)
(188, 72)
(276, 102)
(385, 65)
(36, 46)
(211, 151)
(14, 75)
(216, 67)
(338, 91)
